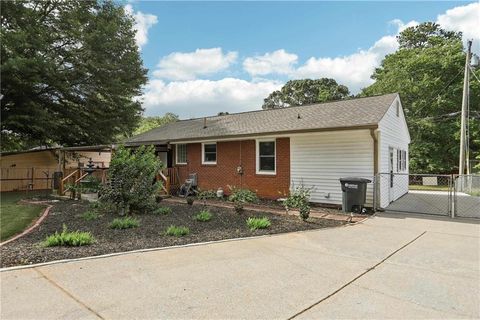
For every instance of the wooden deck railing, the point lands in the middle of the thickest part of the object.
(170, 180)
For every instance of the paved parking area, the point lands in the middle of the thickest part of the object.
(391, 266)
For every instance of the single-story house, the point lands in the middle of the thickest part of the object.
(33, 169)
(272, 151)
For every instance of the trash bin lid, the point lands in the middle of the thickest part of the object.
(355, 179)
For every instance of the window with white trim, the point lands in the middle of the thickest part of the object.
(209, 153)
(266, 160)
(401, 160)
(181, 156)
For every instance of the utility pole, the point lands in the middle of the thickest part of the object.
(463, 123)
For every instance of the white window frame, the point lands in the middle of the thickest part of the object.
(257, 156)
(203, 153)
(176, 153)
(401, 162)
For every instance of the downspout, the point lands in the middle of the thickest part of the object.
(374, 135)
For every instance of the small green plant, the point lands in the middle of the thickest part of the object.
(203, 216)
(238, 206)
(90, 215)
(177, 231)
(207, 194)
(299, 199)
(163, 210)
(242, 195)
(304, 211)
(258, 223)
(68, 238)
(190, 200)
(124, 223)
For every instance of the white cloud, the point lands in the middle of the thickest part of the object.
(195, 98)
(279, 61)
(353, 70)
(143, 22)
(400, 25)
(188, 96)
(189, 65)
(465, 19)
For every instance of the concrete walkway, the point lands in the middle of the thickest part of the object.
(391, 266)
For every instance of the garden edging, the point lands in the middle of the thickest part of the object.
(313, 213)
(32, 227)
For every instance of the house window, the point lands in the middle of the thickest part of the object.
(266, 157)
(209, 151)
(181, 156)
(398, 108)
(401, 160)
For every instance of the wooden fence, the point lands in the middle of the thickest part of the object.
(24, 179)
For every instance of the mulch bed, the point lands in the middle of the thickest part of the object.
(225, 224)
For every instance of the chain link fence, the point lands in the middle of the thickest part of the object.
(467, 196)
(434, 194)
(416, 193)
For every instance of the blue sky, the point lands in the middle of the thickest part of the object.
(206, 57)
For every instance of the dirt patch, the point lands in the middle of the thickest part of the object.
(225, 224)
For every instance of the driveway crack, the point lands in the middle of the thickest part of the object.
(43, 275)
(357, 277)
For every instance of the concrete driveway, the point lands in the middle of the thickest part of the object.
(391, 266)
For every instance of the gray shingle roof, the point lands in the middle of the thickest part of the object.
(359, 112)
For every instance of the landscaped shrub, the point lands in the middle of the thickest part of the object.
(190, 200)
(163, 210)
(207, 194)
(203, 216)
(68, 238)
(131, 175)
(299, 199)
(177, 231)
(242, 195)
(258, 223)
(124, 223)
(304, 211)
(90, 215)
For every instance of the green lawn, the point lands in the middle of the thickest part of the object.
(432, 188)
(14, 218)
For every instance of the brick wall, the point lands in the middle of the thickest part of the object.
(230, 155)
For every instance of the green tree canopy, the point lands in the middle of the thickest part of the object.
(306, 91)
(427, 71)
(148, 123)
(70, 73)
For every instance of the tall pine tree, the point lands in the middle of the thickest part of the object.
(70, 73)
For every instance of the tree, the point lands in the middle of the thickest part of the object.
(307, 91)
(70, 73)
(427, 72)
(132, 185)
(148, 123)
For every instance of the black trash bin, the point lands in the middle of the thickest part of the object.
(354, 193)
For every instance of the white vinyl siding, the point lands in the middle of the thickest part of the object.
(319, 160)
(393, 135)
